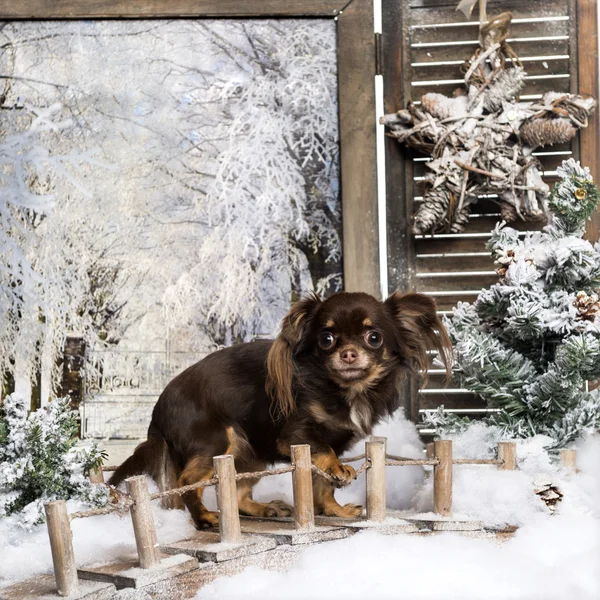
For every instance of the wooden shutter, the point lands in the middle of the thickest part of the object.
(424, 45)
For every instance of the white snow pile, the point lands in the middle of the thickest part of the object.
(551, 556)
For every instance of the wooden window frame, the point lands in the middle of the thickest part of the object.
(356, 95)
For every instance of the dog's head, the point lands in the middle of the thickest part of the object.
(356, 340)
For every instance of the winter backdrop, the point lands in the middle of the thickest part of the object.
(167, 187)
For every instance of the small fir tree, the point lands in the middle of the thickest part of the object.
(39, 461)
(530, 344)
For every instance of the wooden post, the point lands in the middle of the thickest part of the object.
(229, 516)
(304, 510)
(97, 475)
(507, 451)
(375, 451)
(61, 544)
(143, 522)
(442, 478)
(568, 458)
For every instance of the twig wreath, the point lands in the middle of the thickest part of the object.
(481, 140)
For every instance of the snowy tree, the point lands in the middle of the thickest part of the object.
(39, 461)
(530, 344)
(225, 138)
(54, 278)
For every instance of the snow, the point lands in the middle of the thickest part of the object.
(550, 556)
(95, 540)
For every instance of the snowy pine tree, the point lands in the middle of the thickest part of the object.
(38, 460)
(530, 344)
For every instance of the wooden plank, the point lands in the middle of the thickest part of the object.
(588, 77)
(77, 9)
(420, 17)
(435, 264)
(449, 245)
(457, 281)
(465, 51)
(435, 71)
(541, 27)
(487, 223)
(493, 6)
(536, 87)
(466, 400)
(356, 77)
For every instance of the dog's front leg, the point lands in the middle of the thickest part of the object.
(329, 463)
(324, 458)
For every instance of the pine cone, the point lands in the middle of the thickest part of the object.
(508, 212)
(433, 213)
(587, 306)
(437, 105)
(546, 132)
(548, 492)
(507, 86)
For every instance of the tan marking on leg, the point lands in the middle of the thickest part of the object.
(326, 504)
(198, 469)
(330, 464)
(240, 448)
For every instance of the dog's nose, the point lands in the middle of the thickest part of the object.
(349, 355)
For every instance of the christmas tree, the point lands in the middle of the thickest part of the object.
(39, 461)
(530, 344)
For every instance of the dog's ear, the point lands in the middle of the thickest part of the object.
(280, 364)
(419, 330)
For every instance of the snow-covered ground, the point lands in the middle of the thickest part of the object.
(554, 557)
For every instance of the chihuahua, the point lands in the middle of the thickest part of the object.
(329, 377)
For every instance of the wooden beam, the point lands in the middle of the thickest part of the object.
(398, 172)
(139, 9)
(356, 81)
(587, 67)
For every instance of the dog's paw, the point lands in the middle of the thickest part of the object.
(206, 519)
(348, 511)
(351, 511)
(278, 508)
(343, 474)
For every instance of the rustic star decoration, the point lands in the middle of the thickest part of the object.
(481, 140)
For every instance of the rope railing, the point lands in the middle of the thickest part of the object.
(138, 499)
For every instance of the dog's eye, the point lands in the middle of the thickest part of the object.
(326, 340)
(374, 339)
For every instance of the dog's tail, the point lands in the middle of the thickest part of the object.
(153, 458)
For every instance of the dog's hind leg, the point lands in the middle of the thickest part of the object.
(198, 468)
(248, 506)
(326, 504)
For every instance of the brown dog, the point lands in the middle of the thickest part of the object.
(327, 380)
